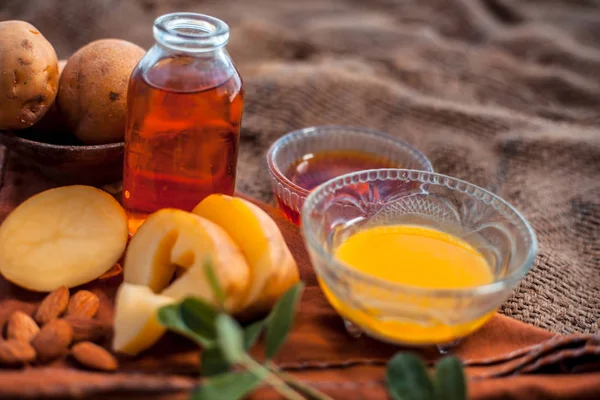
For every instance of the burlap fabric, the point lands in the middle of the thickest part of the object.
(502, 93)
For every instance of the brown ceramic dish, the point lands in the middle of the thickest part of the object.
(67, 162)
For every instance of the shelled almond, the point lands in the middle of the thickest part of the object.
(64, 320)
(53, 305)
(53, 340)
(15, 352)
(83, 304)
(21, 327)
(92, 356)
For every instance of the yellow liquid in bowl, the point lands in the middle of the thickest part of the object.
(416, 256)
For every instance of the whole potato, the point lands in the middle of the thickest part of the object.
(28, 75)
(92, 94)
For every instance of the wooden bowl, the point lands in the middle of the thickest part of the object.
(65, 161)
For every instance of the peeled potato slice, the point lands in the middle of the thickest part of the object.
(64, 236)
(173, 239)
(273, 270)
(136, 319)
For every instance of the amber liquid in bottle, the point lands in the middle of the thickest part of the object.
(313, 169)
(182, 136)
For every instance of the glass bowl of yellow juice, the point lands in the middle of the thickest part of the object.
(413, 257)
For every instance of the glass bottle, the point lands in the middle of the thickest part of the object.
(184, 110)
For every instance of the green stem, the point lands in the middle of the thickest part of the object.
(270, 378)
(298, 384)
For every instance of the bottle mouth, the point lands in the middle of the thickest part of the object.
(191, 32)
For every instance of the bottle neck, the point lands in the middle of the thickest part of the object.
(163, 51)
(190, 33)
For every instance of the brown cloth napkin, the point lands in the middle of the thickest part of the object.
(506, 359)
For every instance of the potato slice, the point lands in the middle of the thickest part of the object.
(273, 270)
(66, 236)
(171, 238)
(136, 320)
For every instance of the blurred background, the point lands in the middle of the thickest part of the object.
(502, 93)
(301, 29)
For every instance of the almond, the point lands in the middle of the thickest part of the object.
(93, 356)
(15, 352)
(21, 327)
(53, 340)
(83, 304)
(88, 329)
(52, 306)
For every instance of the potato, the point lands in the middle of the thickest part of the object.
(171, 241)
(172, 238)
(273, 270)
(165, 260)
(136, 323)
(93, 90)
(66, 236)
(28, 75)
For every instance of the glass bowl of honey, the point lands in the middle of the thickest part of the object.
(303, 159)
(413, 257)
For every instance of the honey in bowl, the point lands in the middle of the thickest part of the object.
(415, 256)
(313, 169)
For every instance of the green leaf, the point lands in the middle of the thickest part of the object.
(230, 338)
(214, 283)
(170, 317)
(213, 362)
(252, 332)
(279, 321)
(200, 317)
(450, 380)
(193, 318)
(230, 386)
(407, 378)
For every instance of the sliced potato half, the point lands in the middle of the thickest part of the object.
(273, 270)
(172, 239)
(65, 236)
(136, 318)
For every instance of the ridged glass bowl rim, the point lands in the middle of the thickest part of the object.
(430, 178)
(314, 130)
